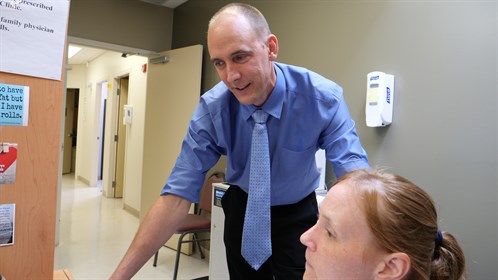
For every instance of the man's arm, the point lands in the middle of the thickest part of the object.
(157, 227)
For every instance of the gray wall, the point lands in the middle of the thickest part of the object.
(443, 54)
(130, 23)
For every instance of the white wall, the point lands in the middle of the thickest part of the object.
(76, 78)
(147, 26)
(135, 137)
(109, 67)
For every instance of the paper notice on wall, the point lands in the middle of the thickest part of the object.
(8, 163)
(321, 162)
(32, 37)
(14, 105)
(7, 224)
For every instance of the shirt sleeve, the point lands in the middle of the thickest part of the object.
(198, 154)
(341, 142)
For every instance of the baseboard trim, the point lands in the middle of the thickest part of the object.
(131, 210)
(84, 180)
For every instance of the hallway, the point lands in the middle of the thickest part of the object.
(95, 232)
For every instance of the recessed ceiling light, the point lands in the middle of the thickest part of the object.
(72, 50)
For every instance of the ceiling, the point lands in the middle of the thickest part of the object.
(87, 54)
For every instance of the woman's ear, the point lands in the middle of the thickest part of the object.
(393, 266)
(272, 47)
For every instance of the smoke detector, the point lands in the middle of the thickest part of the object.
(166, 3)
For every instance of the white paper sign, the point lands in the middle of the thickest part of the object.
(32, 37)
(7, 224)
(321, 162)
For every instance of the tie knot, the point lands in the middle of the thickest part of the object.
(260, 116)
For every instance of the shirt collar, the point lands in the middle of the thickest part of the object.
(273, 106)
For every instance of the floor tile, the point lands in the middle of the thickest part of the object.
(95, 232)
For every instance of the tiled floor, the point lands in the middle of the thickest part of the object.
(95, 232)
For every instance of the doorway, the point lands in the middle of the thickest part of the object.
(70, 129)
(120, 138)
(100, 105)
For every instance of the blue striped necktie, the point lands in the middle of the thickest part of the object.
(256, 236)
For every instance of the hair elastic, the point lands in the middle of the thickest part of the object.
(439, 238)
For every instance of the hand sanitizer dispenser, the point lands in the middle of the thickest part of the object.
(380, 93)
(128, 114)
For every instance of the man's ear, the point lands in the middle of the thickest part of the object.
(273, 47)
(393, 266)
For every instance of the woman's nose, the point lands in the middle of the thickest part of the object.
(307, 239)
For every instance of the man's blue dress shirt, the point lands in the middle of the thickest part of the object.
(307, 113)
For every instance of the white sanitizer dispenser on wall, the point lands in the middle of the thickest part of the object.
(380, 93)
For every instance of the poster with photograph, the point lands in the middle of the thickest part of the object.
(8, 163)
(14, 105)
(7, 224)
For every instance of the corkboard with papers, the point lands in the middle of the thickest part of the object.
(30, 129)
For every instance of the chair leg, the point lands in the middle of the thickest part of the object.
(194, 237)
(155, 259)
(178, 252)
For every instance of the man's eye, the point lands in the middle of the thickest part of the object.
(218, 63)
(240, 58)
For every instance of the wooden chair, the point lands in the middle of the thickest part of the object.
(195, 223)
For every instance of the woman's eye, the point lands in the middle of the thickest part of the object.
(330, 233)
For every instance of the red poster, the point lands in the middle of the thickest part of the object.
(8, 163)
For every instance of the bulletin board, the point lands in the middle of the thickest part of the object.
(31, 95)
(34, 192)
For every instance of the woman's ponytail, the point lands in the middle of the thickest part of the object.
(448, 261)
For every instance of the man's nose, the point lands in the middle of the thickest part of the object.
(233, 73)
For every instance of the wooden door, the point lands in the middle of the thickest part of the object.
(35, 190)
(173, 92)
(121, 139)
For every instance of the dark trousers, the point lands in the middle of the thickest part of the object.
(288, 223)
